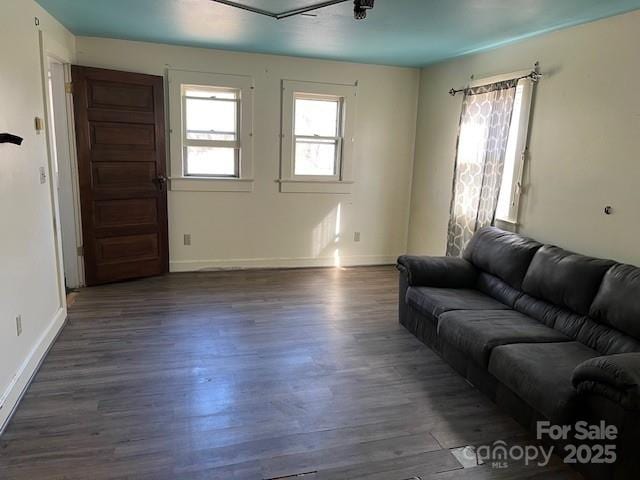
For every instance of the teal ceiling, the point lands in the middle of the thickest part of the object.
(397, 32)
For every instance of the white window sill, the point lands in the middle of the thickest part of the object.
(509, 225)
(315, 186)
(211, 184)
(506, 220)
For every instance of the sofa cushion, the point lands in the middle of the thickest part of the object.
(617, 303)
(503, 254)
(540, 373)
(498, 289)
(565, 320)
(597, 336)
(476, 333)
(606, 340)
(565, 278)
(432, 302)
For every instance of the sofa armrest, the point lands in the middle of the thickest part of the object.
(616, 377)
(440, 272)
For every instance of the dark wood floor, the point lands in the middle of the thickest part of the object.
(249, 375)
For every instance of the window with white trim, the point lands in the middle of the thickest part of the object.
(317, 137)
(511, 189)
(211, 138)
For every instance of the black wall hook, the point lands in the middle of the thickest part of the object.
(8, 138)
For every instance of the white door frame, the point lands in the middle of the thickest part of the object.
(70, 263)
(74, 183)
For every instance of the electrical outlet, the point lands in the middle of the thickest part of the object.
(356, 237)
(19, 325)
(187, 239)
(43, 175)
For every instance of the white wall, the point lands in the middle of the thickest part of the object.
(268, 228)
(585, 139)
(28, 272)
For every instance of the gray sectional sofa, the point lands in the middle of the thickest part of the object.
(546, 333)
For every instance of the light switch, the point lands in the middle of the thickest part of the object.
(43, 175)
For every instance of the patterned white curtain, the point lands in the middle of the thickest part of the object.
(482, 145)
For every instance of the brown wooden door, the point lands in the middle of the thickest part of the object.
(120, 137)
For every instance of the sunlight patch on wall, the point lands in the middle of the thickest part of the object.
(326, 236)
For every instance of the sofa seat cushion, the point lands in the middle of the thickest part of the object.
(476, 333)
(540, 373)
(432, 302)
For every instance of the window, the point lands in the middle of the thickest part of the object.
(317, 142)
(318, 136)
(210, 138)
(211, 150)
(509, 199)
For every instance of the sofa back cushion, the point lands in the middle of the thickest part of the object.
(606, 340)
(565, 278)
(498, 289)
(617, 303)
(503, 254)
(599, 337)
(551, 315)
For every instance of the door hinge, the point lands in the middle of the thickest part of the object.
(68, 87)
(81, 251)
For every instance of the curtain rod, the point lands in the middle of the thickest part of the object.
(534, 76)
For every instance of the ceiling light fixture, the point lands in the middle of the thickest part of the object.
(360, 8)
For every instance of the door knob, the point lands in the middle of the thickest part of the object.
(161, 180)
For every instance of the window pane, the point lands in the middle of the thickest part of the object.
(511, 160)
(211, 161)
(211, 119)
(316, 117)
(315, 158)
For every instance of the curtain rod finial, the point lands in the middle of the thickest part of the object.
(535, 76)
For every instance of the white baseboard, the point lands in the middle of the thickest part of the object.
(18, 386)
(249, 263)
